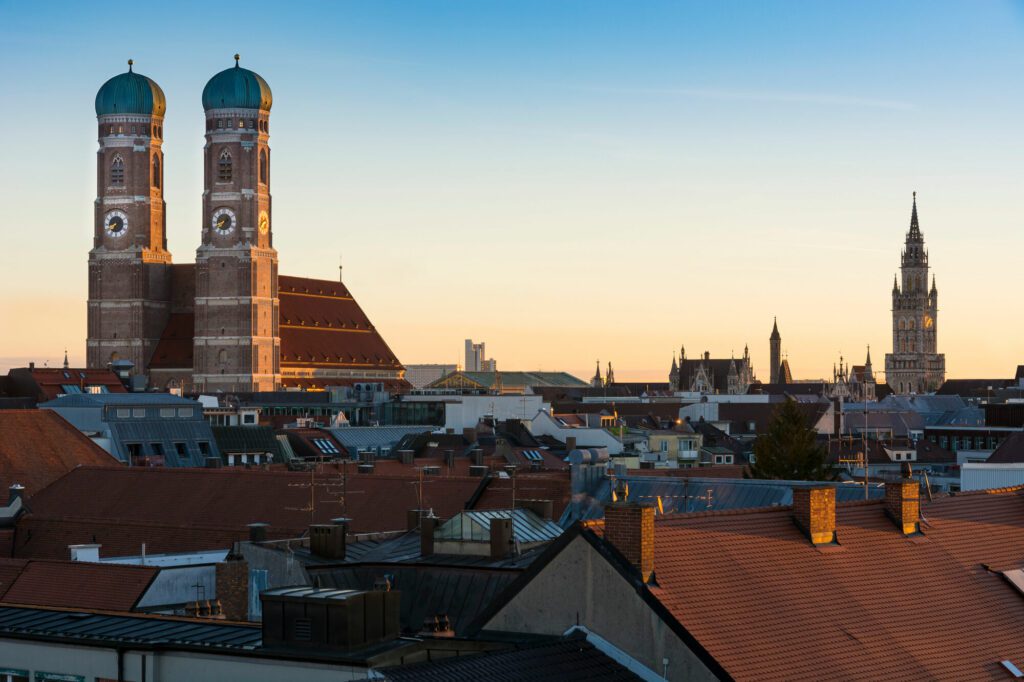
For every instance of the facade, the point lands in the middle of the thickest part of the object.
(915, 365)
(229, 322)
(711, 375)
(855, 384)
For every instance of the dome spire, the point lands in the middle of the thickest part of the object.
(130, 62)
(237, 57)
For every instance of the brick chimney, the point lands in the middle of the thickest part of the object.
(629, 527)
(903, 504)
(258, 532)
(814, 511)
(232, 576)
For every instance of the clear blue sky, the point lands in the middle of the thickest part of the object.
(564, 180)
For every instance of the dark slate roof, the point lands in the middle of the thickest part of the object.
(247, 439)
(144, 630)
(459, 592)
(572, 659)
(972, 388)
(680, 495)
(1010, 451)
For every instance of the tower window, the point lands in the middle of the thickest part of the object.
(224, 167)
(241, 123)
(156, 171)
(220, 123)
(117, 171)
(263, 167)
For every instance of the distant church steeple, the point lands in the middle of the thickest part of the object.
(775, 352)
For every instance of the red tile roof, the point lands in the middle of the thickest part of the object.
(322, 326)
(47, 383)
(38, 446)
(766, 604)
(177, 510)
(77, 585)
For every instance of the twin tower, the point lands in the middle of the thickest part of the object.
(236, 341)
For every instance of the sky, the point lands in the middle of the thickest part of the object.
(566, 181)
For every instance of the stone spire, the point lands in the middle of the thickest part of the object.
(775, 330)
(597, 381)
(915, 228)
(65, 358)
(609, 377)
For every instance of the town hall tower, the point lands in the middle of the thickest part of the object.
(914, 366)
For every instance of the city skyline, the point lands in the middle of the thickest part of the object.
(409, 183)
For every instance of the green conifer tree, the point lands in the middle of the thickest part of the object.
(789, 450)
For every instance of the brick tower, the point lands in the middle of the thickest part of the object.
(237, 345)
(129, 265)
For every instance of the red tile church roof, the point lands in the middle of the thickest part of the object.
(322, 326)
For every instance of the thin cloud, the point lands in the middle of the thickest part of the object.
(763, 96)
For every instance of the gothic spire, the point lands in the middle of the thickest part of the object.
(915, 228)
(775, 330)
(65, 358)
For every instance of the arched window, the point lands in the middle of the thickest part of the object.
(117, 171)
(910, 324)
(224, 167)
(222, 357)
(263, 167)
(156, 171)
(902, 324)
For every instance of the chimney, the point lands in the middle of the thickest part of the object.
(413, 517)
(405, 456)
(629, 527)
(328, 540)
(469, 434)
(814, 511)
(542, 508)
(427, 526)
(501, 538)
(903, 504)
(365, 468)
(232, 585)
(477, 471)
(212, 462)
(14, 493)
(477, 457)
(449, 458)
(258, 532)
(570, 443)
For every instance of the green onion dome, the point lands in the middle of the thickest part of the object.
(237, 88)
(130, 93)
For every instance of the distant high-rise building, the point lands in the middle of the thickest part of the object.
(476, 358)
(915, 365)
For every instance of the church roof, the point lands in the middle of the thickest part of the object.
(130, 93)
(237, 88)
(717, 367)
(322, 326)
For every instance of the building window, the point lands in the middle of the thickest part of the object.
(133, 130)
(134, 449)
(179, 450)
(241, 123)
(231, 460)
(117, 171)
(664, 446)
(263, 166)
(224, 167)
(185, 412)
(166, 411)
(220, 123)
(156, 171)
(138, 413)
(204, 448)
(158, 449)
(249, 419)
(123, 413)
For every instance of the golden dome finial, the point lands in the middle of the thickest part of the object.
(130, 62)
(237, 57)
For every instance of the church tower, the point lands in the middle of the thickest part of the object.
(237, 345)
(775, 348)
(915, 365)
(129, 265)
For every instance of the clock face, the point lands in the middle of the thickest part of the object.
(223, 221)
(264, 223)
(116, 223)
(928, 322)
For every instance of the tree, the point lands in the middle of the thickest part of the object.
(789, 450)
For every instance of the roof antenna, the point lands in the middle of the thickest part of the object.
(130, 62)
(237, 57)
(340, 279)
